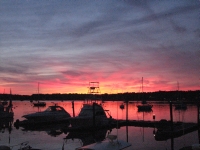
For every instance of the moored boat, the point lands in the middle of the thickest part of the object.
(39, 103)
(51, 114)
(144, 107)
(6, 112)
(91, 114)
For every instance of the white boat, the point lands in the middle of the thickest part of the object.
(91, 114)
(51, 114)
(111, 143)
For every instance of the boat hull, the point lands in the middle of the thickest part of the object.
(145, 107)
(51, 114)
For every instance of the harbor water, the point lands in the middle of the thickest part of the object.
(141, 138)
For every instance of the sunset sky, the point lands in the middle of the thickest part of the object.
(65, 44)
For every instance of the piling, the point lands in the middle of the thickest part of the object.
(126, 111)
(198, 114)
(171, 116)
(73, 108)
(93, 106)
(198, 120)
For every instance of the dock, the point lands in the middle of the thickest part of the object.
(163, 129)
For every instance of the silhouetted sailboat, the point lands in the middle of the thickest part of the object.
(144, 106)
(39, 103)
(179, 105)
(6, 112)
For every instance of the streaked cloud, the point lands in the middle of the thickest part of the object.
(65, 44)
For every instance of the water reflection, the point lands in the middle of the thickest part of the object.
(51, 136)
(53, 129)
(88, 137)
(6, 124)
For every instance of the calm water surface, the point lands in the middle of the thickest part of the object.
(141, 138)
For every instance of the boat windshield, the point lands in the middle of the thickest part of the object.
(53, 108)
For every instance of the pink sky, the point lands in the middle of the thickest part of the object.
(64, 45)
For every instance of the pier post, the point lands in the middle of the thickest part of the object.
(127, 120)
(172, 127)
(93, 115)
(126, 111)
(198, 114)
(73, 108)
(154, 117)
(171, 116)
(126, 133)
(198, 120)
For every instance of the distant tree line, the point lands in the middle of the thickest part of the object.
(187, 96)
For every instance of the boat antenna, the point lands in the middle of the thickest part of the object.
(142, 84)
(38, 86)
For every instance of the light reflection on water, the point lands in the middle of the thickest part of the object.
(140, 138)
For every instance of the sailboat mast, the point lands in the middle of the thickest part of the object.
(142, 84)
(38, 87)
(178, 86)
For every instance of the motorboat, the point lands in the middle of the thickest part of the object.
(91, 114)
(144, 107)
(39, 104)
(51, 114)
(6, 112)
(111, 143)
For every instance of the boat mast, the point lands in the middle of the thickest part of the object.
(38, 87)
(142, 84)
(178, 85)
(178, 94)
(38, 91)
